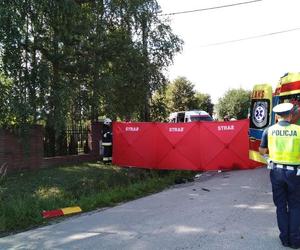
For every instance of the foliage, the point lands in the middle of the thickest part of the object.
(235, 103)
(23, 196)
(178, 95)
(6, 117)
(204, 103)
(159, 107)
(181, 95)
(71, 61)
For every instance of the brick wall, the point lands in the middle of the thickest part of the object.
(19, 153)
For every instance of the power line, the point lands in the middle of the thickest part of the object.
(250, 37)
(211, 8)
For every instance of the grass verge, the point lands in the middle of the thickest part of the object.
(24, 195)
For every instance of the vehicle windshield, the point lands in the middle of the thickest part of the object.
(201, 118)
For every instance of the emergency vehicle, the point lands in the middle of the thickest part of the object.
(263, 99)
(189, 116)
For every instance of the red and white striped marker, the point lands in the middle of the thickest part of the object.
(60, 212)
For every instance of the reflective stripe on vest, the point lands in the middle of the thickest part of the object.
(284, 144)
(107, 158)
(106, 143)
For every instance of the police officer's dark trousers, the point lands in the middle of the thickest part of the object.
(286, 197)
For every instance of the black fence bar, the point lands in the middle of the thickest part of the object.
(72, 141)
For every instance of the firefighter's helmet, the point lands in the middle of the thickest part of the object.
(107, 121)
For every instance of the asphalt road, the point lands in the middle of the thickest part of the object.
(228, 210)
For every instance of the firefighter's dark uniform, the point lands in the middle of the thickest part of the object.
(283, 142)
(107, 143)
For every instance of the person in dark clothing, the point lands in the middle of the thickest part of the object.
(107, 140)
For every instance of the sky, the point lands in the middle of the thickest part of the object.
(214, 69)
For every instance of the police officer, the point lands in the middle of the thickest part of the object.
(107, 141)
(283, 142)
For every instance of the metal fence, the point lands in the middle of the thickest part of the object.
(77, 140)
(72, 141)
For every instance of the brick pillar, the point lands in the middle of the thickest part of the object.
(94, 137)
(36, 147)
(3, 159)
(6, 156)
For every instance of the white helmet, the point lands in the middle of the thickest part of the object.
(107, 121)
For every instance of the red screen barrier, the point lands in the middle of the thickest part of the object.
(182, 146)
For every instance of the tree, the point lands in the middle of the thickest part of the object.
(70, 61)
(14, 40)
(158, 45)
(181, 95)
(235, 103)
(5, 94)
(204, 102)
(159, 107)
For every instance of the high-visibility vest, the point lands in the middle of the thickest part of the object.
(284, 144)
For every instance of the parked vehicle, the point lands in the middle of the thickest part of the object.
(190, 116)
(263, 99)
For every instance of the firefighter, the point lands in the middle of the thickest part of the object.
(107, 141)
(283, 142)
